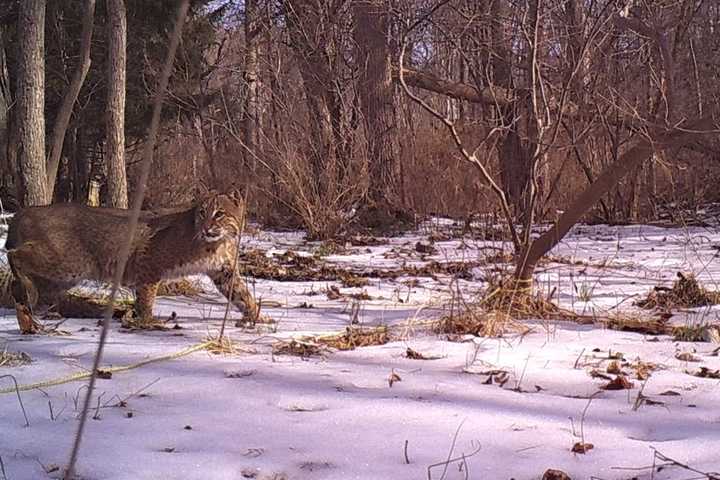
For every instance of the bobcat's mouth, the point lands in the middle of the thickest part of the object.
(212, 237)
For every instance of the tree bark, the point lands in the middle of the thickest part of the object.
(250, 75)
(5, 103)
(115, 120)
(313, 46)
(490, 95)
(378, 105)
(31, 104)
(63, 117)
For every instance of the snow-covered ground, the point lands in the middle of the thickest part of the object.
(498, 408)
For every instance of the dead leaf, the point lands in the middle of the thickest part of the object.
(333, 292)
(619, 383)
(595, 373)
(670, 393)
(239, 374)
(687, 357)
(614, 368)
(581, 447)
(551, 474)
(616, 355)
(425, 248)
(705, 372)
(394, 377)
(644, 370)
(415, 355)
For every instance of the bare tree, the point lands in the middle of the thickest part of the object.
(314, 46)
(541, 108)
(30, 97)
(378, 105)
(5, 103)
(71, 94)
(251, 78)
(115, 120)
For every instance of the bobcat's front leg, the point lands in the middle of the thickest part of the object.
(144, 301)
(235, 289)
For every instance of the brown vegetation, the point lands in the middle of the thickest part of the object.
(368, 112)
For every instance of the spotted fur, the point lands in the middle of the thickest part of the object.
(50, 249)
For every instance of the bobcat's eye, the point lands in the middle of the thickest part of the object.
(218, 215)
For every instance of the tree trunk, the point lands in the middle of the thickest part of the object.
(378, 105)
(71, 95)
(31, 104)
(115, 120)
(250, 75)
(513, 155)
(314, 47)
(5, 103)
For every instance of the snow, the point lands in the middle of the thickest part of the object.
(257, 414)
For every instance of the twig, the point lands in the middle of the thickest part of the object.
(96, 416)
(575, 366)
(405, 452)
(462, 458)
(132, 226)
(17, 391)
(2, 469)
(584, 412)
(522, 374)
(640, 399)
(672, 461)
(76, 397)
(449, 459)
(137, 392)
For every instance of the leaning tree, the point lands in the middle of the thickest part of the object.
(552, 76)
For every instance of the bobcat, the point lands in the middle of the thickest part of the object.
(52, 248)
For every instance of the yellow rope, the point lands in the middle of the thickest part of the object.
(122, 368)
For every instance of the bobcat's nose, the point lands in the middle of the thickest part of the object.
(211, 235)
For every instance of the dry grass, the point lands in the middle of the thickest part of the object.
(500, 310)
(354, 337)
(639, 324)
(13, 359)
(298, 348)
(351, 338)
(226, 346)
(291, 266)
(686, 292)
(78, 304)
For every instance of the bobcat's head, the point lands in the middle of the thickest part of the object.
(220, 216)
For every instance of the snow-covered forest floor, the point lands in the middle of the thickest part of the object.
(497, 408)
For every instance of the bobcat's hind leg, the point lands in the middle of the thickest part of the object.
(144, 301)
(25, 296)
(49, 292)
(235, 289)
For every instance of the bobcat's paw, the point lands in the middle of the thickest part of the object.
(26, 322)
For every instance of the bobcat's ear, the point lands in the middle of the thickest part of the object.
(201, 191)
(238, 196)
